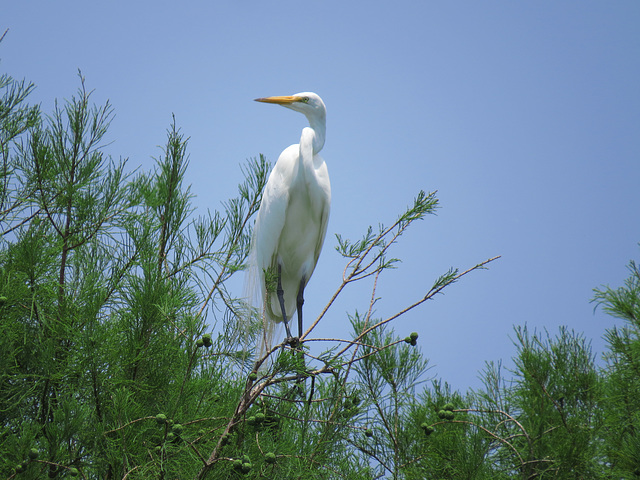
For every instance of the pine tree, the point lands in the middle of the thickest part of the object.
(124, 353)
(621, 403)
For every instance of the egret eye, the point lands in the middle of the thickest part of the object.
(305, 99)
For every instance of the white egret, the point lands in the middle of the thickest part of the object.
(292, 220)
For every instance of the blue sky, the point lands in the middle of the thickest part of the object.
(525, 116)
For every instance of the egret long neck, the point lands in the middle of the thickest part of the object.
(319, 127)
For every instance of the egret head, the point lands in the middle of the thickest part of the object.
(308, 103)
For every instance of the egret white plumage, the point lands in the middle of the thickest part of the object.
(292, 219)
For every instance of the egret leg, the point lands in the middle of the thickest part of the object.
(300, 302)
(280, 293)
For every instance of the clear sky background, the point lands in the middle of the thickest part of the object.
(525, 116)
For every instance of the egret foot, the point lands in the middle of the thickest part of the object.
(294, 342)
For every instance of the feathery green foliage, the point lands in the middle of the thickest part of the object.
(621, 401)
(123, 353)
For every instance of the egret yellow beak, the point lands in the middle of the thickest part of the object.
(280, 100)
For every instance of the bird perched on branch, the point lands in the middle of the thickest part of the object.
(292, 220)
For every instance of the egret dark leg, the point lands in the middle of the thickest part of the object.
(280, 293)
(300, 302)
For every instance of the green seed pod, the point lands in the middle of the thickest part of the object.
(206, 339)
(253, 376)
(161, 418)
(33, 453)
(414, 343)
(20, 468)
(3, 301)
(368, 432)
(251, 420)
(73, 472)
(448, 415)
(177, 429)
(448, 406)
(246, 467)
(260, 417)
(442, 414)
(429, 430)
(246, 459)
(407, 340)
(414, 335)
(199, 343)
(270, 457)
(237, 464)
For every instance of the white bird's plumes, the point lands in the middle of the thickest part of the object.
(292, 220)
